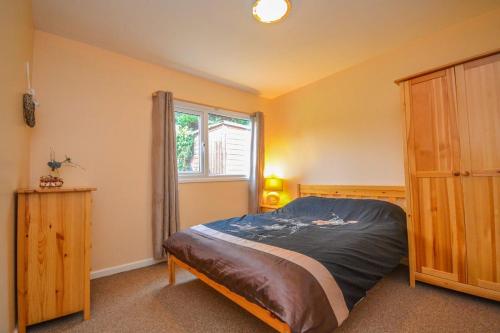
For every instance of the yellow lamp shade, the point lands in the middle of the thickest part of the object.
(273, 184)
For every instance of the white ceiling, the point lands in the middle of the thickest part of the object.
(221, 41)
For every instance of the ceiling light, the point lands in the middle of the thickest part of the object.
(269, 11)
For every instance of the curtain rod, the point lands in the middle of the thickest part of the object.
(206, 105)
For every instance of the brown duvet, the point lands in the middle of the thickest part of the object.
(281, 286)
(308, 263)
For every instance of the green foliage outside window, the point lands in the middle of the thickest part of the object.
(215, 119)
(186, 126)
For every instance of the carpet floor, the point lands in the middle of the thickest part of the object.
(140, 301)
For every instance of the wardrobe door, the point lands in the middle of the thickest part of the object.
(478, 89)
(433, 149)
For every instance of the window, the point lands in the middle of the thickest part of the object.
(211, 143)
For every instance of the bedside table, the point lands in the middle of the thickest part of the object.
(266, 208)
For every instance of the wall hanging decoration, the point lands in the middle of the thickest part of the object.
(54, 179)
(29, 101)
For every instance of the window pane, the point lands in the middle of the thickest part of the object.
(187, 128)
(229, 145)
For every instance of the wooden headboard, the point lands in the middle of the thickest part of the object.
(394, 194)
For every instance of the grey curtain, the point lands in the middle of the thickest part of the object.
(165, 193)
(256, 163)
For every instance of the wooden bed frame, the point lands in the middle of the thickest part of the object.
(394, 194)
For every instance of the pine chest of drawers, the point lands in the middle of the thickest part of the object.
(53, 253)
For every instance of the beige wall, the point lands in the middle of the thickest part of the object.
(346, 128)
(204, 202)
(16, 36)
(96, 107)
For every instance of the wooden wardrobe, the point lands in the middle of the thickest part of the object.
(452, 162)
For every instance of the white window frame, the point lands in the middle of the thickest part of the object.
(203, 112)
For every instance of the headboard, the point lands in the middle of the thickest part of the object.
(394, 194)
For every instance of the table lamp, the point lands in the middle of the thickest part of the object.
(272, 186)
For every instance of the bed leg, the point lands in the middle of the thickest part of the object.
(171, 270)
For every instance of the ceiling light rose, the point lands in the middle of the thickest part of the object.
(270, 11)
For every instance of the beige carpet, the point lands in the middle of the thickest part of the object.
(140, 301)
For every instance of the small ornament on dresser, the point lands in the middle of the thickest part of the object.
(54, 180)
(51, 181)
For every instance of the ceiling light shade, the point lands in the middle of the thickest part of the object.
(269, 11)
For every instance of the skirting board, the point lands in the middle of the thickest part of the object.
(124, 268)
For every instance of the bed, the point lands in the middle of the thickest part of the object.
(303, 267)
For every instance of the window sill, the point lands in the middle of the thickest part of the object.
(211, 179)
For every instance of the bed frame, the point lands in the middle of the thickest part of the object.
(394, 194)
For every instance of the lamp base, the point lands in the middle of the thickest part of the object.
(272, 198)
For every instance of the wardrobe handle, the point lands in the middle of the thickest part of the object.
(466, 174)
(456, 173)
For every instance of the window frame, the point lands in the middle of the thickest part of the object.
(204, 112)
